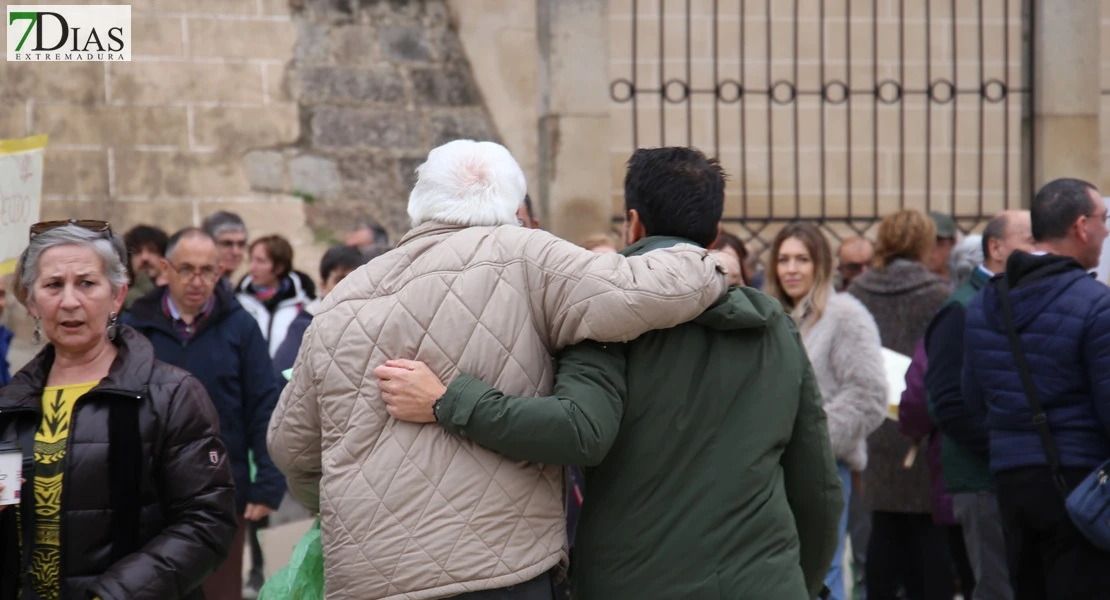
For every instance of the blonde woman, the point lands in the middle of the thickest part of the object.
(843, 344)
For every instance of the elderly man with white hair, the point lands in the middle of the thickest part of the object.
(408, 510)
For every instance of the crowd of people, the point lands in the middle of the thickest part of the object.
(486, 411)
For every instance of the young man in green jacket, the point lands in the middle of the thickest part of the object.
(710, 473)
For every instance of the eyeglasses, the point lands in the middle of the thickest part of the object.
(1105, 218)
(232, 244)
(207, 274)
(850, 267)
(101, 227)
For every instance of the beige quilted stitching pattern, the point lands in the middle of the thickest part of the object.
(410, 511)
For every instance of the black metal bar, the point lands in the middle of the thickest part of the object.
(635, 93)
(821, 4)
(848, 98)
(928, 107)
(716, 87)
(982, 108)
(875, 107)
(662, 76)
(1006, 104)
(1029, 99)
(743, 117)
(689, 83)
(770, 120)
(955, 108)
(797, 137)
(902, 105)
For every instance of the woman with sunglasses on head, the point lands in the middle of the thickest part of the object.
(842, 342)
(127, 491)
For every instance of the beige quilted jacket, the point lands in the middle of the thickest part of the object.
(409, 511)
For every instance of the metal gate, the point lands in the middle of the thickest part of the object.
(833, 111)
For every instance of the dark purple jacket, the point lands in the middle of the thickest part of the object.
(914, 422)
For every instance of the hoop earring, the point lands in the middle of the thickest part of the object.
(112, 329)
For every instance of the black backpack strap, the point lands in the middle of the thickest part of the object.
(1040, 419)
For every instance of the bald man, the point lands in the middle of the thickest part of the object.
(964, 451)
(855, 257)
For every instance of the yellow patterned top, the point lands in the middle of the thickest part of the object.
(50, 453)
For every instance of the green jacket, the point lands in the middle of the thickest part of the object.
(712, 475)
(964, 452)
(142, 286)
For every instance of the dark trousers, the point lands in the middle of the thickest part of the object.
(1048, 557)
(540, 588)
(957, 549)
(227, 582)
(908, 551)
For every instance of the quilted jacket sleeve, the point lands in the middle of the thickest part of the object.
(945, 347)
(199, 500)
(575, 426)
(1096, 351)
(294, 436)
(580, 295)
(969, 380)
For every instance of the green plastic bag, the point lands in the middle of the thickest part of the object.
(303, 577)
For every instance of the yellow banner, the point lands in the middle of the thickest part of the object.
(20, 195)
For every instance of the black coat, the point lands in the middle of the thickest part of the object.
(147, 497)
(230, 357)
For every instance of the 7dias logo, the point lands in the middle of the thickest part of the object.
(64, 33)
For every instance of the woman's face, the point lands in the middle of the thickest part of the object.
(795, 269)
(73, 297)
(262, 268)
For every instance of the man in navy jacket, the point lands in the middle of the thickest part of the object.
(965, 457)
(201, 328)
(1062, 316)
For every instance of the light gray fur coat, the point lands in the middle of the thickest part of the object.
(846, 352)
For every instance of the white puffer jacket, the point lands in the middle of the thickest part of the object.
(274, 325)
(410, 511)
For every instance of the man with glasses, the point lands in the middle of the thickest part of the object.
(198, 326)
(230, 233)
(1045, 438)
(854, 258)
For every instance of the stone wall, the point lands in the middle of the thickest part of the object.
(163, 139)
(300, 115)
(378, 83)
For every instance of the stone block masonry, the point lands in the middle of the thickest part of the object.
(378, 83)
(302, 115)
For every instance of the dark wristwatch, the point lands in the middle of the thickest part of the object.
(435, 408)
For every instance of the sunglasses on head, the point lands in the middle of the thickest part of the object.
(101, 227)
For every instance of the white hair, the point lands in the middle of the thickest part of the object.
(112, 253)
(965, 256)
(468, 183)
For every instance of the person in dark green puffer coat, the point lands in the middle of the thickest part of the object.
(710, 469)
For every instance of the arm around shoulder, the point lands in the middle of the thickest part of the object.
(606, 297)
(575, 426)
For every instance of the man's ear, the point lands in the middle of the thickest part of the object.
(636, 230)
